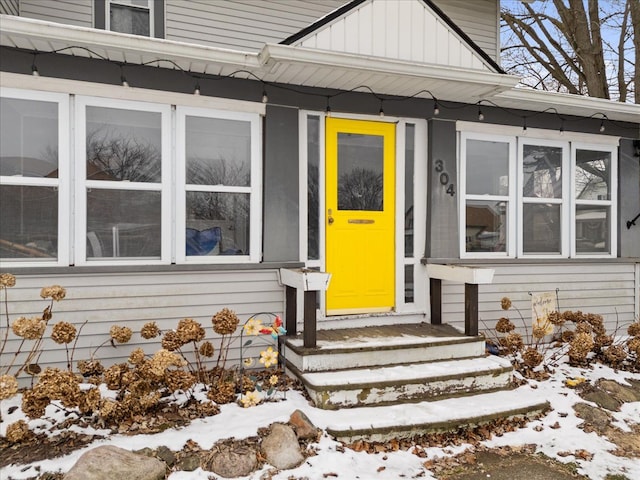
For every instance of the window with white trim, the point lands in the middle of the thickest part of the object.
(130, 16)
(536, 197)
(34, 155)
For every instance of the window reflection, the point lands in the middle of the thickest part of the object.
(593, 171)
(360, 172)
(487, 168)
(313, 199)
(486, 229)
(541, 229)
(542, 169)
(592, 229)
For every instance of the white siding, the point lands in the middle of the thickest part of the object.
(608, 289)
(71, 12)
(9, 7)
(478, 19)
(241, 24)
(133, 299)
(404, 30)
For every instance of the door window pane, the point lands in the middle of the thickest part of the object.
(313, 199)
(123, 223)
(486, 229)
(360, 172)
(218, 151)
(28, 222)
(541, 229)
(592, 229)
(593, 175)
(487, 168)
(217, 224)
(408, 284)
(28, 138)
(123, 145)
(542, 170)
(408, 189)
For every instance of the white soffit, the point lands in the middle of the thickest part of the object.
(405, 30)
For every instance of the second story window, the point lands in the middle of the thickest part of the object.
(130, 16)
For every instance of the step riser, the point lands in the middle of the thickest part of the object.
(322, 362)
(334, 398)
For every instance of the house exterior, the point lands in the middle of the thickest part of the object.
(163, 159)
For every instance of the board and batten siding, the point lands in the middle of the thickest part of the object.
(479, 19)
(9, 7)
(607, 289)
(244, 25)
(133, 299)
(70, 12)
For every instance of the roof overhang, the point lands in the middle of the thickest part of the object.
(307, 67)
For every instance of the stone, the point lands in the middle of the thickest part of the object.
(281, 447)
(597, 418)
(166, 455)
(620, 392)
(305, 430)
(233, 460)
(109, 462)
(189, 463)
(603, 400)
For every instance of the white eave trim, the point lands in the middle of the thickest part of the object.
(273, 54)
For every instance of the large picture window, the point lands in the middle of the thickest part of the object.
(33, 152)
(552, 198)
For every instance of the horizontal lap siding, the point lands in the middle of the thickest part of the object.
(71, 12)
(606, 289)
(241, 24)
(9, 7)
(131, 300)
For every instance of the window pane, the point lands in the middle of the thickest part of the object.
(123, 223)
(29, 222)
(218, 151)
(408, 190)
(592, 229)
(129, 20)
(593, 174)
(313, 205)
(123, 145)
(541, 232)
(487, 168)
(542, 167)
(28, 138)
(360, 170)
(408, 284)
(217, 223)
(486, 229)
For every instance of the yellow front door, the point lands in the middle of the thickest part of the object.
(360, 216)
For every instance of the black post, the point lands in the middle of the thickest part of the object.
(291, 310)
(435, 295)
(309, 333)
(470, 309)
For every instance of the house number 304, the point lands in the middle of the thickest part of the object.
(444, 178)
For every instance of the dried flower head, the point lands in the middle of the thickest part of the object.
(90, 401)
(120, 334)
(149, 330)
(556, 318)
(248, 383)
(512, 342)
(149, 400)
(55, 292)
(225, 322)
(29, 328)
(171, 341)
(189, 330)
(7, 280)
(33, 404)
(542, 328)
(532, 357)
(33, 369)
(136, 357)
(179, 380)
(111, 410)
(584, 327)
(63, 332)
(18, 432)
(90, 368)
(567, 336)
(250, 399)
(113, 375)
(602, 340)
(504, 325)
(580, 347)
(206, 349)
(505, 303)
(615, 354)
(162, 360)
(634, 345)
(222, 392)
(8, 386)
(634, 329)
(56, 384)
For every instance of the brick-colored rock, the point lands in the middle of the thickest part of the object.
(305, 430)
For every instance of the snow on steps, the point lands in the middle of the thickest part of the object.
(406, 383)
(383, 423)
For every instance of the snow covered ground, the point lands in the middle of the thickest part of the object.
(555, 433)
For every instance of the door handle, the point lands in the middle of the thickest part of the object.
(330, 220)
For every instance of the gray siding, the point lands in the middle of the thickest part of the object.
(132, 299)
(241, 24)
(10, 7)
(608, 289)
(71, 12)
(628, 200)
(478, 19)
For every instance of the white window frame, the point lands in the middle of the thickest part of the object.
(510, 197)
(254, 190)
(129, 4)
(564, 202)
(82, 184)
(62, 183)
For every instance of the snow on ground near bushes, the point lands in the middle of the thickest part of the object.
(235, 421)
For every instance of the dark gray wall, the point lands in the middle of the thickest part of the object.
(629, 198)
(442, 208)
(281, 185)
